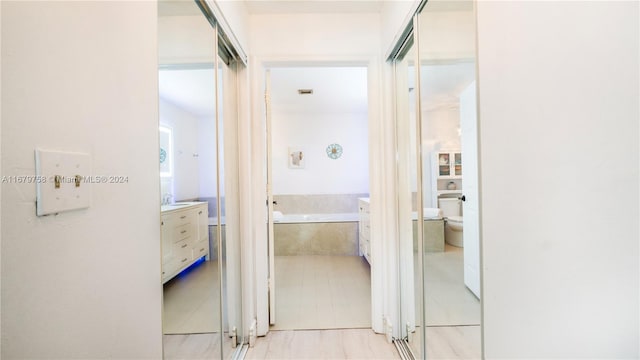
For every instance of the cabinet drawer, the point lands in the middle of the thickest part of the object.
(185, 217)
(184, 253)
(200, 249)
(168, 268)
(182, 232)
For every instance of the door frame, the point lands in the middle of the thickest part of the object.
(383, 282)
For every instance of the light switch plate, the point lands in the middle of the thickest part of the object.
(62, 181)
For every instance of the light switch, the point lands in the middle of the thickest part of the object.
(61, 186)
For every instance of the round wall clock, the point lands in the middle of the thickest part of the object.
(334, 151)
(163, 155)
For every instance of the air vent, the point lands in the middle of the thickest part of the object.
(305, 91)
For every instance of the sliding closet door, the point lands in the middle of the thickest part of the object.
(410, 249)
(189, 141)
(436, 153)
(199, 158)
(229, 205)
(446, 42)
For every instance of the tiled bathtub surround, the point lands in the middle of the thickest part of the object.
(334, 238)
(329, 238)
(317, 204)
(433, 235)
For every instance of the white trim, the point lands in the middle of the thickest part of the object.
(246, 198)
(259, 211)
(383, 274)
(223, 25)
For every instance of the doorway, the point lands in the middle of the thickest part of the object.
(319, 178)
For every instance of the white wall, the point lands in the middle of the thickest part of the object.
(336, 113)
(558, 100)
(185, 39)
(319, 37)
(81, 76)
(206, 138)
(185, 129)
(313, 132)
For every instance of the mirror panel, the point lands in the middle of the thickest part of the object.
(193, 109)
(446, 38)
(410, 263)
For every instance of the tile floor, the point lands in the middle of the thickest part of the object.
(323, 344)
(191, 301)
(322, 292)
(196, 347)
(452, 311)
(329, 285)
(448, 301)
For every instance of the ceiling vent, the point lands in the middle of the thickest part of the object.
(305, 91)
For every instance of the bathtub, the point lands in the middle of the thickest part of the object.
(316, 234)
(279, 218)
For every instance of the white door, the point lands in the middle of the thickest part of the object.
(470, 207)
(272, 267)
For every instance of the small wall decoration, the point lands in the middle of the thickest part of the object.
(296, 158)
(166, 151)
(334, 151)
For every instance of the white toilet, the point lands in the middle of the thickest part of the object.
(452, 212)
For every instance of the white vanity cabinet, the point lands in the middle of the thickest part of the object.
(201, 247)
(364, 229)
(185, 237)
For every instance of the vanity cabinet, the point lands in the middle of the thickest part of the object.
(364, 229)
(446, 174)
(185, 238)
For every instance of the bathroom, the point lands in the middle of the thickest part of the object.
(320, 169)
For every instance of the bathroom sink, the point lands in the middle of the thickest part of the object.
(172, 206)
(178, 205)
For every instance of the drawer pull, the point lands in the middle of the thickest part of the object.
(200, 212)
(184, 260)
(184, 246)
(201, 250)
(183, 217)
(183, 231)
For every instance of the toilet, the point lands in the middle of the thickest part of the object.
(452, 212)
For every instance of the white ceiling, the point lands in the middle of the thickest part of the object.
(335, 89)
(313, 6)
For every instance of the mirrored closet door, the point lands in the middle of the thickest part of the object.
(436, 112)
(202, 313)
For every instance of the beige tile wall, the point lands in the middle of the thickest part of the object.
(317, 204)
(316, 238)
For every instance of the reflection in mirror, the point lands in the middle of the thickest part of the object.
(437, 168)
(190, 258)
(447, 101)
(410, 261)
(166, 154)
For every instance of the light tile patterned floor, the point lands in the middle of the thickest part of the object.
(191, 301)
(323, 344)
(328, 284)
(448, 301)
(322, 292)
